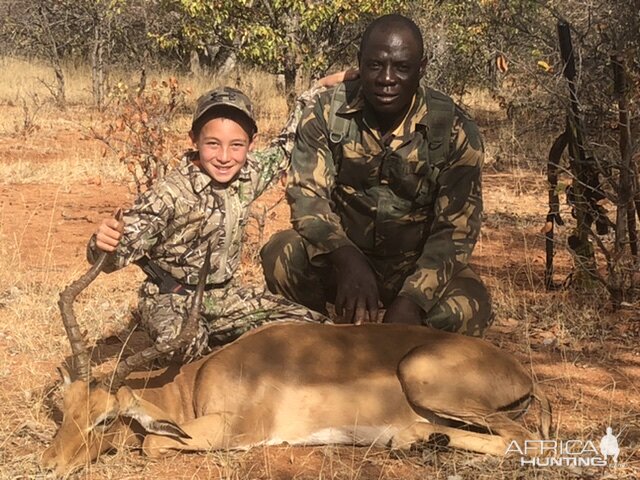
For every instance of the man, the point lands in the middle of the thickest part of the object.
(385, 197)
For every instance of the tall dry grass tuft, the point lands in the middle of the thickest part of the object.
(20, 78)
(76, 167)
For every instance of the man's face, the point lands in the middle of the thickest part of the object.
(390, 70)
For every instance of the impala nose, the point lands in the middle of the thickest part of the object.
(51, 461)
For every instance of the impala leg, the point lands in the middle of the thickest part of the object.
(475, 388)
(501, 424)
(207, 433)
(509, 430)
(472, 441)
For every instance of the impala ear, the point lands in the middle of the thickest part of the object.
(165, 428)
(65, 375)
(150, 417)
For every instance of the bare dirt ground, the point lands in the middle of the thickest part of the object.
(585, 356)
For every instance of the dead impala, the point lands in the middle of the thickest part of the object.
(299, 383)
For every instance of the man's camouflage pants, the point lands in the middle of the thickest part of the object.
(226, 313)
(463, 304)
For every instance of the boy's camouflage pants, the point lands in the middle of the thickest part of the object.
(226, 314)
(463, 305)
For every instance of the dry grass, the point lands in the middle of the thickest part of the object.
(20, 79)
(55, 185)
(40, 143)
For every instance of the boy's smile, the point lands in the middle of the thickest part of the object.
(223, 145)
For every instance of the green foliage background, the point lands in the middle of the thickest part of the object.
(461, 36)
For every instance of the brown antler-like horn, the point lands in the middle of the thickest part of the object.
(81, 358)
(187, 334)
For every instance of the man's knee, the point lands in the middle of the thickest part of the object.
(289, 272)
(465, 307)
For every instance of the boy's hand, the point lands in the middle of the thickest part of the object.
(108, 234)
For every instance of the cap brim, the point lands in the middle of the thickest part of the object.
(225, 104)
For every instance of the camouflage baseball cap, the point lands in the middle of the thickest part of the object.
(228, 96)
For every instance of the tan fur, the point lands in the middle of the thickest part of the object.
(308, 384)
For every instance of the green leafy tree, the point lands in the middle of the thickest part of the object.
(279, 35)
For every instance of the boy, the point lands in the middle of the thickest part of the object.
(204, 199)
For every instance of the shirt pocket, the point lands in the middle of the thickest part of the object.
(427, 186)
(357, 168)
(411, 179)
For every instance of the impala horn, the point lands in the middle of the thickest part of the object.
(81, 363)
(187, 334)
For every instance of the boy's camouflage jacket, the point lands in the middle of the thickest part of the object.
(389, 197)
(172, 222)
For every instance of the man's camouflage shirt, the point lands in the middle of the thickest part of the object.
(172, 222)
(379, 195)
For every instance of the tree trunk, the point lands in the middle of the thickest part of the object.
(625, 186)
(60, 94)
(290, 74)
(585, 178)
(97, 65)
(228, 65)
(625, 223)
(291, 60)
(194, 64)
